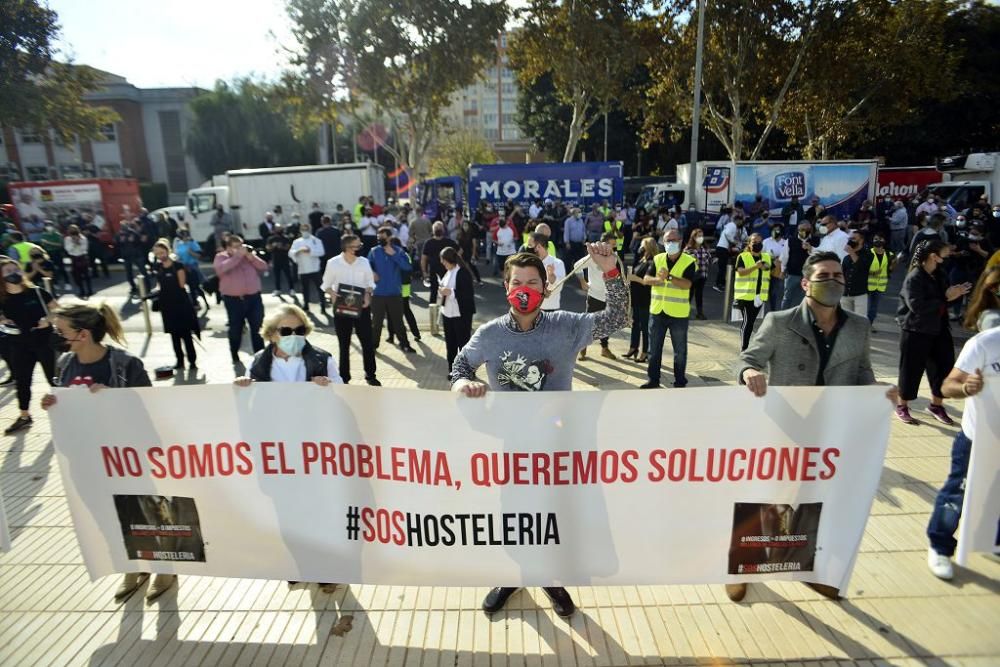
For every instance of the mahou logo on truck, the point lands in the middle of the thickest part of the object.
(790, 184)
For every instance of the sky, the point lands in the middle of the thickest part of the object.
(167, 43)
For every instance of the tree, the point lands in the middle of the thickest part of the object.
(396, 59)
(244, 125)
(38, 91)
(454, 152)
(886, 56)
(585, 46)
(753, 54)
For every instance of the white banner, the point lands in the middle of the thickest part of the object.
(393, 486)
(979, 529)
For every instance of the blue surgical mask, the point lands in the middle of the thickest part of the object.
(672, 247)
(292, 345)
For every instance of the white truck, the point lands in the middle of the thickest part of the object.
(247, 194)
(967, 177)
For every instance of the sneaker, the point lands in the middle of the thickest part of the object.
(68, 287)
(276, 292)
(373, 382)
(650, 385)
(940, 565)
(940, 414)
(19, 424)
(903, 415)
(497, 598)
(562, 602)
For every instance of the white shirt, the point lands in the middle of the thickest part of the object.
(505, 241)
(835, 241)
(308, 262)
(777, 248)
(74, 249)
(450, 307)
(404, 233)
(733, 236)
(293, 369)
(552, 301)
(982, 352)
(793, 218)
(534, 210)
(339, 272)
(368, 226)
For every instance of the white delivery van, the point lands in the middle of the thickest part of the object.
(966, 178)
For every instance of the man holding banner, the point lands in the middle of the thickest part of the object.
(817, 343)
(979, 357)
(531, 350)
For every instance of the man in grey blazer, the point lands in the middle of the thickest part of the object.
(816, 343)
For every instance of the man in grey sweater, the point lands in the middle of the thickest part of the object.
(528, 349)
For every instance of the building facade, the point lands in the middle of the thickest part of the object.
(146, 143)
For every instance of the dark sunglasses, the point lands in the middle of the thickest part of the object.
(288, 331)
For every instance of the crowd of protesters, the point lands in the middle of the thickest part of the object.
(647, 267)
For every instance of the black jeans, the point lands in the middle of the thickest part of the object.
(457, 332)
(282, 267)
(410, 318)
(391, 307)
(26, 350)
(60, 272)
(81, 276)
(240, 310)
(314, 279)
(750, 313)
(188, 341)
(919, 352)
(362, 327)
(139, 261)
(698, 293)
(640, 329)
(722, 254)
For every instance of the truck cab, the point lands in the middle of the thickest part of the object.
(967, 178)
(201, 203)
(438, 194)
(653, 197)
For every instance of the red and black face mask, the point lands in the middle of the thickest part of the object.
(524, 299)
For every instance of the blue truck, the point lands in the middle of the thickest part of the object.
(575, 183)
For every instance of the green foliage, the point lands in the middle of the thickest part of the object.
(587, 48)
(397, 59)
(456, 150)
(243, 126)
(38, 92)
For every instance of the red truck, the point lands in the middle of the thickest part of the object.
(102, 199)
(897, 182)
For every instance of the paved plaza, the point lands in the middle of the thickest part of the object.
(894, 612)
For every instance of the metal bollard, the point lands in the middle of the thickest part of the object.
(727, 296)
(144, 304)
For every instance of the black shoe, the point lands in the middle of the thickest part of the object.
(19, 424)
(390, 341)
(179, 365)
(497, 598)
(416, 336)
(373, 382)
(562, 603)
(650, 385)
(408, 350)
(236, 359)
(700, 316)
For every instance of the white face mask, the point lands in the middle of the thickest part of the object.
(698, 240)
(672, 247)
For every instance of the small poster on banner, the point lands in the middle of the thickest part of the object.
(160, 528)
(773, 538)
(350, 300)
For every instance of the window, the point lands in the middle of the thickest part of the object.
(490, 133)
(71, 171)
(509, 89)
(30, 137)
(471, 104)
(201, 203)
(489, 119)
(108, 132)
(511, 133)
(9, 172)
(507, 74)
(503, 41)
(509, 119)
(38, 173)
(109, 170)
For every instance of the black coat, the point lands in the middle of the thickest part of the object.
(464, 293)
(923, 307)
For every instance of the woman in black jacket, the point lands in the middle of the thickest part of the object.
(458, 303)
(925, 342)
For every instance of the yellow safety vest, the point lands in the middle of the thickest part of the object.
(617, 229)
(24, 249)
(746, 286)
(668, 298)
(878, 274)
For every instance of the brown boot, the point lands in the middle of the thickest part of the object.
(607, 353)
(736, 592)
(824, 590)
(583, 354)
(161, 584)
(130, 583)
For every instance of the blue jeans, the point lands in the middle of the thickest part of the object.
(240, 310)
(793, 292)
(658, 326)
(775, 294)
(948, 504)
(873, 301)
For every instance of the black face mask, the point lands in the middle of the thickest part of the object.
(14, 278)
(757, 247)
(383, 242)
(878, 243)
(853, 244)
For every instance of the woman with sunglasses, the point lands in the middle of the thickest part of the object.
(288, 357)
(92, 363)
